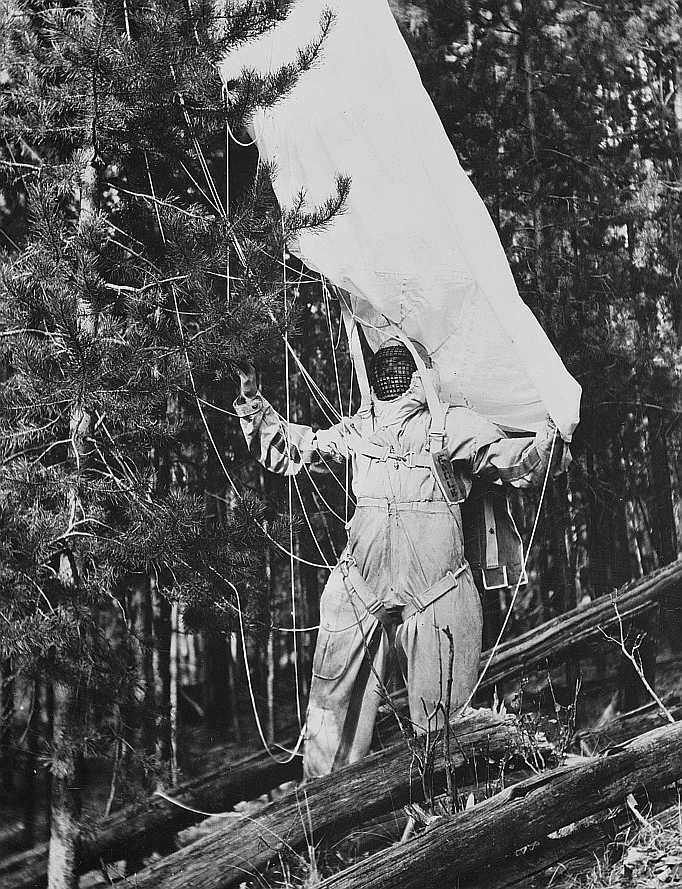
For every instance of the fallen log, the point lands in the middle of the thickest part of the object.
(524, 814)
(326, 807)
(571, 856)
(624, 727)
(551, 640)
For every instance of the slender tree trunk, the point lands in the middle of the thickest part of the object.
(677, 106)
(66, 792)
(622, 568)
(271, 665)
(31, 767)
(7, 726)
(174, 691)
(665, 531)
(536, 205)
(68, 720)
(559, 520)
(162, 675)
(232, 652)
(599, 518)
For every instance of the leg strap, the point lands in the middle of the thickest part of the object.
(356, 583)
(428, 597)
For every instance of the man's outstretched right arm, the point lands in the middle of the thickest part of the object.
(279, 446)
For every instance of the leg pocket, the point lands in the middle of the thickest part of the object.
(338, 625)
(331, 655)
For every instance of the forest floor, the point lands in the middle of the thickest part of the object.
(647, 858)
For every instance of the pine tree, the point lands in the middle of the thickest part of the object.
(123, 303)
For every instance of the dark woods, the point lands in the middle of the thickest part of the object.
(142, 577)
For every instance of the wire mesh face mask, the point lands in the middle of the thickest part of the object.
(391, 372)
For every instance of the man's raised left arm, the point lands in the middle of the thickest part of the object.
(522, 462)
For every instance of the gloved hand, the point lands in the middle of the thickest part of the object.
(247, 378)
(562, 456)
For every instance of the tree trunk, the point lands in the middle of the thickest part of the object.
(232, 652)
(271, 726)
(524, 814)
(63, 865)
(665, 531)
(270, 663)
(31, 767)
(162, 675)
(68, 719)
(7, 726)
(558, 518)
(528, 39)
(677, 106)
(598, 521)
(174, 692)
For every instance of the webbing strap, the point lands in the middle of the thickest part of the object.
(492, 555)
(356, 354)
(443, 586)
(360, 445)
(357, 584)
(436, 408)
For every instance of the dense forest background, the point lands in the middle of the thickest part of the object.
(568, 116)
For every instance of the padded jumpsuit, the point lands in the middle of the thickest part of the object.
(403, 538)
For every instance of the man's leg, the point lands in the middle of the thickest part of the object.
(425, 651)
(350, 659)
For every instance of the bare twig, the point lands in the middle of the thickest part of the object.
(633, 656)
(449, 769)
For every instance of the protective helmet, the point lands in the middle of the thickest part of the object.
(392, 367)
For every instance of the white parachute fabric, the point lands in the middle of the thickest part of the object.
(415, 245)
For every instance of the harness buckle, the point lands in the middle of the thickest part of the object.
(345, 564)
(417, 602)
(441, 436)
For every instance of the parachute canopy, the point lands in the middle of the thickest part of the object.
(415, 244)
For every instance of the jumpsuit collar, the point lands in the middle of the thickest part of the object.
(399, 410)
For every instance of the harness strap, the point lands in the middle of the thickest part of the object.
(360, 445)
(356, 353)
(440, 588)
(436, 407)
(356, 583)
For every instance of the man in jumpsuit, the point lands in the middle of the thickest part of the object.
(403, 577)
